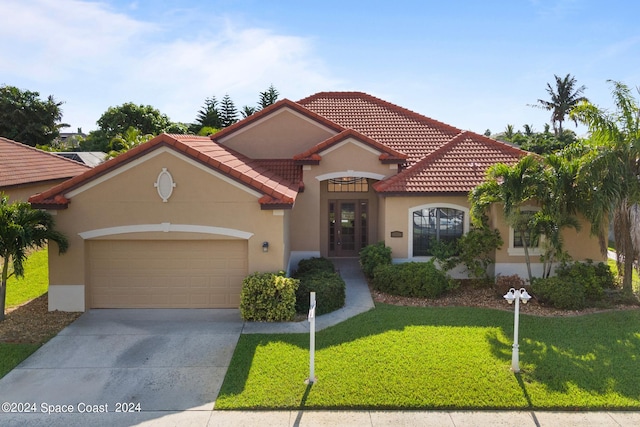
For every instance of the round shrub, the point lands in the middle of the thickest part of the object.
(563, 293)
(411, 279)
(268, 297)
(313, 265)
(372, 256)
(329, 288)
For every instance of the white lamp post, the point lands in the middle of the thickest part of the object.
(516, 295)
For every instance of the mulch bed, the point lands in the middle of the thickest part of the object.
(33, 322)
(486, 297)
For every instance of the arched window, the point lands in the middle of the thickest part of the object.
(436, 224)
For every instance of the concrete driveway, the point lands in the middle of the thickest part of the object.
(161, 362)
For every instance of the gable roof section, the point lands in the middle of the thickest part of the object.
(21, 164)
(278, 193)
(265, 112)
(387, 154)
(396, 127)
(456, 167)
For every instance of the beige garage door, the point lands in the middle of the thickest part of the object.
(166, 274)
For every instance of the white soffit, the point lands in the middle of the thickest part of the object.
(154, 153)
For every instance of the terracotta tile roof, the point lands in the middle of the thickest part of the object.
(387, 154)
(21, 164)
(287, 168)
(277, 191)
(457, 167)
(396, 127)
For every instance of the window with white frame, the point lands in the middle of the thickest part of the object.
(435, 224)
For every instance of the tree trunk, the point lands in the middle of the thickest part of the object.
(3, 294)
(3, 286)
(526, 256)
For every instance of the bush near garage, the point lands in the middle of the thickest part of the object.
(411, 279)
(269, 297)
(318, 275)
(372, 256)
(575, 286)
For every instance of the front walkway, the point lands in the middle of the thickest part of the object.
(358, 301)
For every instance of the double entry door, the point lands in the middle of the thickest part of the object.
(348, 227)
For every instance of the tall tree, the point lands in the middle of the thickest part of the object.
(145, 118)
(209, 115)
(563, 98)
(22, 228)
(610, 176)
(228, 112)
(268, 97)
(25, 118)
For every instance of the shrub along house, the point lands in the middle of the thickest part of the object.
(180, 220)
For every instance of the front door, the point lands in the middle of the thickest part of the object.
(348, 226)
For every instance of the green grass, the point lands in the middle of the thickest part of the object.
(12, 354)
(635, 279)
(33, 284)
(445, 358)
(19, 291)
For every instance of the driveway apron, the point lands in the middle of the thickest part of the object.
(161, 360)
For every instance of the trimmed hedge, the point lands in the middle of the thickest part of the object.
(575, 286)
(318, 275)
(372, 256)
(411, 279)
(268, 297)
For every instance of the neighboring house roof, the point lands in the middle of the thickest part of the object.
(89, 158)
(21, 164)
(456, 167)
(277, 191)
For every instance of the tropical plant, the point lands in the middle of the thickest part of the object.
(131, 138)
(512, 186)
(22, 228)
(564, 97)
(610, 176)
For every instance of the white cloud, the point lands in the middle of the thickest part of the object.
(93, 57)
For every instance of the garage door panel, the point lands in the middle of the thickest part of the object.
(166, 274)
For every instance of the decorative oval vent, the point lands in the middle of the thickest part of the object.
(164, 184)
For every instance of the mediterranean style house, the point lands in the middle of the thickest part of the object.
(180, 220)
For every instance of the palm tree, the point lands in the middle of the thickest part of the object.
(610, 175)
(558, 206)
(564, 97)
(513, 187)
(122, 143)
(22, 228)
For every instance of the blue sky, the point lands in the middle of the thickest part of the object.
(472, 64)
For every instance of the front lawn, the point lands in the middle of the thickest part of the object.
(12, 354)
(445, 358)
(35, 280)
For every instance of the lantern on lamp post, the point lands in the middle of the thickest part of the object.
(516, 295)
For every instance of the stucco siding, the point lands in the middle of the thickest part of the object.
(202, 202)
(279, 136)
